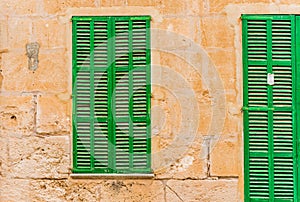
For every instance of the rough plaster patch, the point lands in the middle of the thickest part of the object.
(184, 163)
(32, 52)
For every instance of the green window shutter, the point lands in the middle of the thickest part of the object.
(111, 94)
(269, 109)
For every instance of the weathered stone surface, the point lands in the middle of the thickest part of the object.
(141, 2)
(18, 32)
(3, 156)
(3, 34)
(50, 76)
(16, 115)
(172, 7)
(216, 32)
(181, 26)
(65, 190)
(218, 5)
(202, 190)
(18, 7)
(91, 190)
(113, 3)
(38, 157)
(132, 190)
(53, 114)
(59, 6)
(44, 34)
(14, 190)
(225, 157)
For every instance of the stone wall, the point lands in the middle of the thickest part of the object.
(196, 100)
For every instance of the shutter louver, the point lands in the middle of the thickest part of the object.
(111, 85)
(270, 134)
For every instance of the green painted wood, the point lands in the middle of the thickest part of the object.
(270, 110)
(111, 96)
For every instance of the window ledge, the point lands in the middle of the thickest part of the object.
(111, 176)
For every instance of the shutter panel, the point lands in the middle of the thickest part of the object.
(140, 95)
(101, 97)
(82, 87)
(269, 116)
(111, 94)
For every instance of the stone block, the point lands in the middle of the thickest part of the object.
(18, 7)
(176, 7)
(225, 157)
(132, 190)
(16, 75)
(59, 6)
(178, 25)
(3, 34)
(53, 115)
(3, 156)
(141, 2)
(289, 1)
(217, 6)
(65, 190)
(106, 3)
(90, 190)
(16, 115)
(14, 190)
(37, 157)
(19, 32)
(223, 58)
(260, 1)
(52, 74)
(216, 32)
(202, 190)
(43, 31)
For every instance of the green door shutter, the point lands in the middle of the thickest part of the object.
(269, 108)
(111, 94)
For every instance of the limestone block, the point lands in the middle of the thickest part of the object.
(132, 190)
(90, 190)
(216, 32)
(16, 75)
(141, 2)
(19, 32)
(59, 6)
(3, 156)
(260, 1)
(233, 123)
(43, 31)
(3, 34)
(172, 7)
(289, 1)
(37, 157)
(53, 115)
(223, 58)
(18, 7)
(217, 6)
(178, 25)
(202, 190)
(105, 3)
(65, 190)
(187, 166)
(51, 75)
(16, 115)
(225, 157)
(14, 190)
